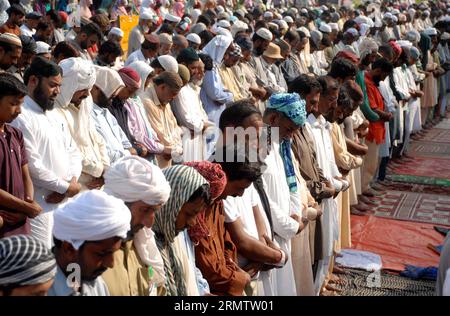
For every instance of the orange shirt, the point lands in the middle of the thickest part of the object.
(376, 129)
(10, 29)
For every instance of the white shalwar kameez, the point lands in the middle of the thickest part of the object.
(53, 159)
(320, 129)
(284, 227)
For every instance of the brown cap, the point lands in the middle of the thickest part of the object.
(273, 51)
(154, 39)
(10, 39)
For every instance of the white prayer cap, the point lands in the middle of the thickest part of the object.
(168, 63)
(91, 216)
(283, 25)
(133, 179)
(334, 26)
(195, 14)
(108, 80)
(445, 36)
(430, 31)
(304, 10)
(220, 9)
(324, 8)
(360, 19)
(268, 14)
(411, 12)
(146, 14)
(426, 12)
(325, 28)
(265, 34)
(395, 11)
(305, 31)
(394, 19)
(388, 15)
(116, 31)
(274, 25)
(352, 31)
(43, 48)
(224, 23)
(404, 43)
(238, 26)
(172, 18)
(194, 38)
(288, 19)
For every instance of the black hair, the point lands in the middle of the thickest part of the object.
(92, 29)
(206, 36)
(204, 19)
(11, 86)
(65, 49)
(239, 168)
(110, 47)
(207, 60)
(349, 24)
(386, 49)
(383, 64)
(326, 41)
(260, 24)
(327, 83)
(344, 101)
(304, 85)
(55, 17)
(42, 26)
(291, 36)
(166, 28)
(149, 45)
(342, 68)
(41, 67)
(16, 9)
(202, 192)
(236, 113)
(156, 64)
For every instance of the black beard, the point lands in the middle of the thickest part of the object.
(44, 102)
(258, 51)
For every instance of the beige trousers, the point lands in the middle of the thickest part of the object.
(370, 165)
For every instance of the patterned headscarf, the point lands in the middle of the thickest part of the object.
(184, 181)
(25, 260)
(217, 181)
(294, 108)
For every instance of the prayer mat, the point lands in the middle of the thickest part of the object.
(437, 135)
(445, 124)
(415, 207)
(363, 283)
(429, 149)
(422, 167)
(420, 184)
(399, 243)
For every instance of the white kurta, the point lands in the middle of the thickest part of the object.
(53, 159)
(321, 132)
(277, 189)
(242, 208)
(191, 116)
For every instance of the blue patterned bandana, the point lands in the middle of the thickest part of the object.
(290, 105)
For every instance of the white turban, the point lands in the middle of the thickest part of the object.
(78, 74)
(133, 179)
(91, 216)
(108, 80)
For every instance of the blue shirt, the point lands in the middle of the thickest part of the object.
(108, 127)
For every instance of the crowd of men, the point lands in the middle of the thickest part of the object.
(119, 176)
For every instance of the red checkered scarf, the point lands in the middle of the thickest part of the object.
(217, 179)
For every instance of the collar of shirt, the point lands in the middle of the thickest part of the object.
(98, 110)
(60, 287)
(32, 105)
(152, 94)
